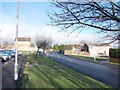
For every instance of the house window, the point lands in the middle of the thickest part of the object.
(104, 52)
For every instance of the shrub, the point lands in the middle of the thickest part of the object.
(115, 53)
(118, 52)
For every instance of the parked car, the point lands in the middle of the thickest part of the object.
(18, 53)
(40, 53)
(4, 56)
(12, 53)
(61, 51)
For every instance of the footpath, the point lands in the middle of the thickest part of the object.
(8, 72)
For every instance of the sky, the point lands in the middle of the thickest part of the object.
(33, 22)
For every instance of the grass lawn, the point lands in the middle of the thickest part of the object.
(89, 58)
(42, 72)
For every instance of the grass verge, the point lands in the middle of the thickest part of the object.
(114, 63)
(42, 72)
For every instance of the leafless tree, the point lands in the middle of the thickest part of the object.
(102, 16)
(43, 43)
(5, 45)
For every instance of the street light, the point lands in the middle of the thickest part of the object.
(16, 53)
(27, 45)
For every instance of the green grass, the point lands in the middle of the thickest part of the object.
(50, 74)
(89, 58)
(112, 63)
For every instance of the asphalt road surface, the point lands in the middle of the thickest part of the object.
(105, 73)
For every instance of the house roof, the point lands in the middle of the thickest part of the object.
(98, 44)
(70, 46)
(24, 39)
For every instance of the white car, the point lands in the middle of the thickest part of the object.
(3, 55)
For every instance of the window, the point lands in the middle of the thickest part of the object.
(104, 52)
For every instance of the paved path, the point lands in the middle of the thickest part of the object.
(0, 63)
(104, 73)
(0, 75)
(8, 72)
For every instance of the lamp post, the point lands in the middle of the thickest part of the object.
(16, 53)
(27, 45)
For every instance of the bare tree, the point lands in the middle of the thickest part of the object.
(103, 16)
(5, 45)
(43, 43)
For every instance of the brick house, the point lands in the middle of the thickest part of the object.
(25, 44)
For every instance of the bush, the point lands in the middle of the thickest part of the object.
(118, 52)
(114, 53)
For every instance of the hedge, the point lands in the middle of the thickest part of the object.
(114, 53)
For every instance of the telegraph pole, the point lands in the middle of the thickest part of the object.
(16, 53)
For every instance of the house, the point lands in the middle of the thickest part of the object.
(25, 44)
(99, 49)
(89, 49)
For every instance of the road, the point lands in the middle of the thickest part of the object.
(104, 73)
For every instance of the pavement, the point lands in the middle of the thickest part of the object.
(0, 63)
(8, 72)
(0, 76)
(107, 74)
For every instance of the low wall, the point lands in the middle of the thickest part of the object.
(85, 53)
(115, 60)
(70, 52)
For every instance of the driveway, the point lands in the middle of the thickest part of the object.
(104, 73)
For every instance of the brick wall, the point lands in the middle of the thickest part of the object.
(70, 52)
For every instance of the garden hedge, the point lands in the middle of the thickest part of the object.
(114, 52)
